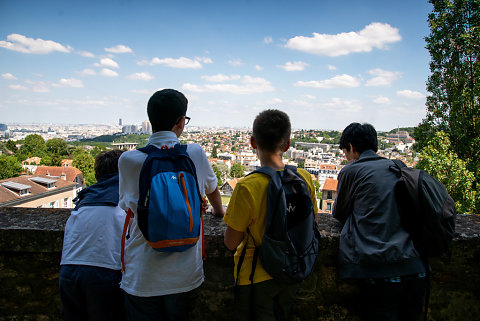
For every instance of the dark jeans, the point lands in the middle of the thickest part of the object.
(90, 293)
(173, 307)
(271, 301)
(393, 301)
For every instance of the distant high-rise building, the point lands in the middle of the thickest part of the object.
(146, 127)
(119, 122)
(3, 127)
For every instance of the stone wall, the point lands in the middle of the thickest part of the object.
(31, 241)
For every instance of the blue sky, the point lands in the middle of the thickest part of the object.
(325, 63)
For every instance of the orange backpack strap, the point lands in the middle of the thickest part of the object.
(124, 235)
(203, 211)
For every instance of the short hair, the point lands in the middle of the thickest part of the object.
(271, 130)
(107, 163)
(165, 108)
(361, 136)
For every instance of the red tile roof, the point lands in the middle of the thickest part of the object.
(70, 172)
(330, 184)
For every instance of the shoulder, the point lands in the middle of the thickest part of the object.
(306, 175)
(195, 149)
(132, 157)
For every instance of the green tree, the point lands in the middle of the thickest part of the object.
(237, 171)
(85, 163)
(57, 146)
(34, 145)
(214, 152)
(454, 83)
(218, 174)
(441, 162)
(11, 146)
(9, 167)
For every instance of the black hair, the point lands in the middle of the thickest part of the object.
(271, 130)
(107, 162)
(361, 136)
(165, 108)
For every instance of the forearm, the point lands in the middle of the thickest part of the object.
(216, 201)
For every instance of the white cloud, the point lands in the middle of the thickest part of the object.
(86, 72)
(310, 97)
(268, 40)
(343, 105)
(381, 100)
(119, 49)
(17, 87)
(27, 45)
(330, 67)
(71, 82)
(236, 62)
(247, 85)
(375, 35)
(294, 66)
(108, 73)
(205, 60)
(86, 54)
(140, 76)
(181, 63)
(382, 77)
(410, 94)
(340, 81)
(107, 62)
(221, 78)
(258, 68)
(9, 76)
(38, 86)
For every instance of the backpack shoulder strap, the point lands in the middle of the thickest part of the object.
(148, 149)
(399, 163)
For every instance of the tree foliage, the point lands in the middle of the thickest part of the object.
(218, 174)
(9, 167)
(454, 83)
(85, 163)
(237, 171)
(34, 145)
(438, 160)
(57, 146)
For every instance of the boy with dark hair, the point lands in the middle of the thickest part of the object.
(247, 210)
(90, 267)
(157, 285)
(375, 250)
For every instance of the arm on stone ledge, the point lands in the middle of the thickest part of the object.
(216, 200)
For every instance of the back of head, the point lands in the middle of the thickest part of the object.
(107, 163)
(361, 136)
(165, 108)
(271, 130)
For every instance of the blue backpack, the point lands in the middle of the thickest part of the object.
(169, 207)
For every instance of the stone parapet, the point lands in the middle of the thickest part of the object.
(30, 252)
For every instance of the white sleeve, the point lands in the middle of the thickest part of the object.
(207, 181)
(129, 166)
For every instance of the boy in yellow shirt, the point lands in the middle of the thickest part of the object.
(272, 300)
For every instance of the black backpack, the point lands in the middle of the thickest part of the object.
(427, 211)
(290, 242)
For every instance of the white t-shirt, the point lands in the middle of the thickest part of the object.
(93, 237)
(149, 272)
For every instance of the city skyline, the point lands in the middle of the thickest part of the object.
(325, 63)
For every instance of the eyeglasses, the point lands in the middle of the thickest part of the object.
(187, 119)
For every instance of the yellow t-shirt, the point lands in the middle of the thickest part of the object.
(247, 209)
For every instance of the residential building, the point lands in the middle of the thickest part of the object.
(329, 194)
(37, 191)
